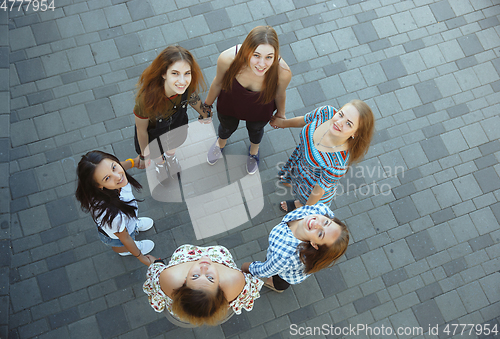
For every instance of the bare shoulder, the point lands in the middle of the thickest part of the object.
(170, 280)
(227, 57)
(284, 66)
(284, 74)
(233, 284)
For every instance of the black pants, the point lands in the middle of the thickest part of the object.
(279, 283)
(169, 133)
(229, 124)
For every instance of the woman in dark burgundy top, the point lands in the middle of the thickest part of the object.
(250, 85)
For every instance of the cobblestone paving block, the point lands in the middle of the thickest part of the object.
(85, 327)
(495, 208)
(62, 211)
(472, 296)
(488, 284)
(326, 276)
(70, 26)
(53, 284)
(25, 294)
(218, 20)
(455, 266)
(81, 274)
(487, 179)
(484, 220)
(80, 57)
(139, 10)
(450, 305)
(30, 70)
(421, 245)
(311, 93)
(398, 254)
(62, 318)
(467, 187)
(428, 314)
(34, 220)
(22, 184)
(428, 91)
(404, 210)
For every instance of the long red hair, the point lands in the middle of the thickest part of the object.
(363, 136)
(258, 36)
(151, 93)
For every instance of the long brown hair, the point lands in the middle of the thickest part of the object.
(257, 36)
(198, 306)
(151, 93)
(325, 256)
(358, 146)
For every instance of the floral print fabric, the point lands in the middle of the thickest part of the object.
(186, 253)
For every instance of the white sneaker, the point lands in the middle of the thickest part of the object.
(145, 224)
(145, 246)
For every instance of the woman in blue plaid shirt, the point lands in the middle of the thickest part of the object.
(307, 240)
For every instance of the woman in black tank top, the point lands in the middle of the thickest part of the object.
(250, 85)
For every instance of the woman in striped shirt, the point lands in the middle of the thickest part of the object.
(330, 141)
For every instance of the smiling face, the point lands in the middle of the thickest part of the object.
(110, 174)
(203, 275)
(177, 78)
(345, 122)
(318, 230)
(261, 59)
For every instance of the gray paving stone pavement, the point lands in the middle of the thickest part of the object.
(423, 207)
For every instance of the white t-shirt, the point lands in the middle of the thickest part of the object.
(121, 220)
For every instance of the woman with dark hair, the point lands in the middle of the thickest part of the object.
(200, 285)
(165, 88)
(250, 84)
(330, 141)
(105, 190)
(306, 241)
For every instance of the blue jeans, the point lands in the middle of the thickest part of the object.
(116, 242)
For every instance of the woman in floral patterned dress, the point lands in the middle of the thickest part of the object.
(200, 285)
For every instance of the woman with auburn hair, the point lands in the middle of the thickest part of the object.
(306, 241)
(165, 88)
(330, 141)
(250, 85)
(105, 190)
(200, 285)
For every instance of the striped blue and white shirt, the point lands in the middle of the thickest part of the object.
(282, 256)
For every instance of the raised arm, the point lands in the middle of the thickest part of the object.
(272, 266)
(130, 245)
(316, 194)
(223, 62)
(127, 164)
(286, 123)
(204, 111)
(142, 137)
(285, 75)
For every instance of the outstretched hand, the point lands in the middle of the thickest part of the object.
(150, 260)
(277, 122)
(245, 267)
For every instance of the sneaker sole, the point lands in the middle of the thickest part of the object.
(212, 163)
